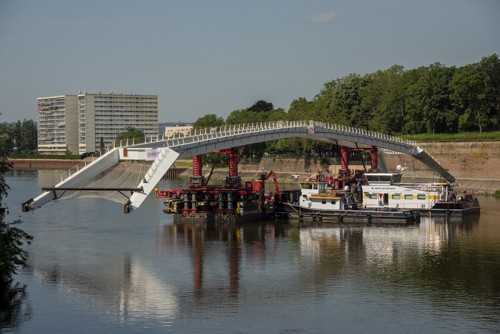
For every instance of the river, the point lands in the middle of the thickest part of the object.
(94, 269)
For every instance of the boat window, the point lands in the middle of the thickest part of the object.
(323, 201)
(408, 196)
(333, 201)
(421, 196)
(396, 196)
(379, 178)
(373, 196)
(386, 178)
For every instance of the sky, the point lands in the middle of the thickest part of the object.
(216, 56)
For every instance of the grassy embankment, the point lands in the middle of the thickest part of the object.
(464, 136)
(45, 156)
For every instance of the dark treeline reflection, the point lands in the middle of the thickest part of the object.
(14, 305)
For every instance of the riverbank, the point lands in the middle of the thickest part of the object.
(46, 163)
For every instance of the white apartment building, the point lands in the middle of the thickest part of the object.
(57, 124)
(78, 122)
(107, 115)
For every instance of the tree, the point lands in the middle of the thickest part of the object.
(22, 135)
(101, 146)
(208, 121)
(29, 135)
(342, 101)
(300, 109)
(383, 97)
(6, 142)
(475, 93)
(413, 119)
(261, 106)
(244, 116)
(129, 133)
(490, 69)
(434, 94)
(12, 256)
(11, 237)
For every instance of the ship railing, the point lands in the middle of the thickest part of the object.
(431, 186)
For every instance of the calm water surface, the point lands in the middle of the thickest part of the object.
(93, 269)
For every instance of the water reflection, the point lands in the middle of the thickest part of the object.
(440, 255)
(394, 248)
(430, 235)
(433, 255)
(15, 307)
(128, 290)
(223, 241)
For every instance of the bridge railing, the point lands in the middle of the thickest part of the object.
(365, 132)
(203, 134)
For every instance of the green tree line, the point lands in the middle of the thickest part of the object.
(433, 99)
(18, 137)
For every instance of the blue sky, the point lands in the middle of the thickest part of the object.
(215, 56)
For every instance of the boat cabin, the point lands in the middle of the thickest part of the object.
(383, 178)
(386, 190)
(321, 197)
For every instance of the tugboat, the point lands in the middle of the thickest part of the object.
(318, 201)
(328, 198)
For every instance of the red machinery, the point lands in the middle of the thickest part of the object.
(276, 186)
(228, 198)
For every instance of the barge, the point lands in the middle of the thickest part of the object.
(230, 202)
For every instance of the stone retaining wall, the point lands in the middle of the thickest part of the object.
(44, 163)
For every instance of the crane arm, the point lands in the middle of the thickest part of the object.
(276, 185)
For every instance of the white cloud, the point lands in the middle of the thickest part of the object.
(323, 17)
